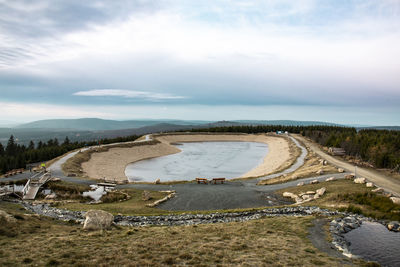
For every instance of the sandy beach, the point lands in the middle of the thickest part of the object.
(112, 163)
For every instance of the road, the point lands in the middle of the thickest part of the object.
(388, 183)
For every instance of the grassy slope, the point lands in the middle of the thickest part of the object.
(270, 241)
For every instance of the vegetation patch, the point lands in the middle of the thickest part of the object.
(67, 191)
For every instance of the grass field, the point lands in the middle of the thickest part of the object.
(282, 241)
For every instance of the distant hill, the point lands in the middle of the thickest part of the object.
(285, 122)
(94, 124)
(392, 128)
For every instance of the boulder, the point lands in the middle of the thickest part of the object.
(306, 197)
(378, 190)
(158, 181)
(325, 163)
(321, 191)
(395, 200)
(320, 172)
(369, 184)
(310, 192)
(340, 170)
(300, 184)
(314, 182)
(51, 196)
(146, 195)
(349, 176)
(330, 179)
(360, 181)
(98, 220)
(393, 226)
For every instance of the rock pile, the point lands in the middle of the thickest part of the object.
(341, 226)
(305, 197)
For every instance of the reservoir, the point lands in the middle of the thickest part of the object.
(200, 159)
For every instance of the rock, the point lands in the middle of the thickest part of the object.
(360, 181)
(306, 197)
(395, 200)
(310, 192)
(330, 179)
(321, 191)
(320, 172)
(7, 217)
(393, 226)
(300, 184)
(158, 181)
(325, 163)
(146, 195)
(349, 176)
(369, 184)
(378, 190)
(316, 196)
(340, 170)
(387, 194)
(55, 179)
(314, 182)
(98, 220)
(51, 196)
(290, 195)
(71, 175)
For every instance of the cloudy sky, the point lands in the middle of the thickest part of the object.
(327, 60)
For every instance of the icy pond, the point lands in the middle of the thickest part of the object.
(200, 159)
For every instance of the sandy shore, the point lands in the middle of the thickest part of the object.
(112, 163)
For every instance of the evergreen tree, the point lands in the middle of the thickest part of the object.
(31, 145)
(1, 150)
(11, 149)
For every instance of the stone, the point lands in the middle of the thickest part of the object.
(369, 184)
(393, 226)
(340, 170)
(325, 163)
(314, 182)
(98, 220)
(300, 184)
(51, 196)
(360, 181)
(320, 172)
(321, 191)
(7, 217)
(306, 197)
(158, 181)
(349, 176)
(146, 195)
(395, 200)
(378, 190)
(316, 196)
(330, 179)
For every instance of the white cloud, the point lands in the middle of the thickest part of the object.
(129, 94)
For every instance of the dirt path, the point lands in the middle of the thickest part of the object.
(388, 183)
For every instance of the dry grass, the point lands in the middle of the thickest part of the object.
(133, 206)
(310, 167)
(266, 242)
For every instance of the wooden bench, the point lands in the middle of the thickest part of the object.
(202, 180)
(215, 180)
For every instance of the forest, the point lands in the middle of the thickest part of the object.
(15, 156)
(381, 148)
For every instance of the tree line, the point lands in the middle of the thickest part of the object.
(381, 148)
(16, 156)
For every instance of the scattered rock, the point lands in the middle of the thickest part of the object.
(290, 195)
(8, 217)
(395, 200)
(146, 195)
(314, 182)
(340, 170)
(378, 190)
(360, 181)
(310, 192)
(393, 226)
(306, 197)
(158, 181)
(369, 184)
(300, 184)
(51, 196)
(98, 220)
(330, 179)
(321, 191)
(349, 176)
(320, 172)
(325, 163)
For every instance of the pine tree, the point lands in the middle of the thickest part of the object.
(11, 148)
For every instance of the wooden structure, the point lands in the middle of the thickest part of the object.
(221, 180)
(202, 180)
(33, 185)
(337, 151)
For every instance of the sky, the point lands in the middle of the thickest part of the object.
(326, 60)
